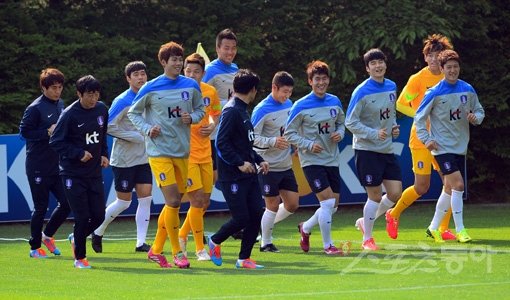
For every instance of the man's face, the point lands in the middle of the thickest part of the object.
(194, 71)
(319, 84)
(137, 79)
(89, 99)
(227, 50)
(173, 66)
(433, 62)
(53, 92)
(376, 69)
(282, 93)
(451, 71)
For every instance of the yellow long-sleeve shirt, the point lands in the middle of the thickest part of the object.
(411, 97)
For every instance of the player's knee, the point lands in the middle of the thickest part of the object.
(421, 188)
(394, 196)
(291, 207)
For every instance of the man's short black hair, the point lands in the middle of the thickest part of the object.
(245, 80)
(373, 54)
(133, 67)
(88, 84)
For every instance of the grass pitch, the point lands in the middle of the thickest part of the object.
(411, 267)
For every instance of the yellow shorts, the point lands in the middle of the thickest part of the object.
(200, 176)
(422, 161)
(168, 171)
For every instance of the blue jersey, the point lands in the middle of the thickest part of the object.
(40, 115)
(161, 101)
(447, 106)
(128, 148)
(312, 120)
(221, 76)
(234, 143)
(268, 119)
(372, 107)
(78, 130)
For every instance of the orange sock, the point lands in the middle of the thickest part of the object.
(408, 197)
(172, 227)
(195, 215)
(185, 227)
(446, 221)
(159, 241)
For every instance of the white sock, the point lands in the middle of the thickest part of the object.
(266, 226)
(143, 215)
(281, 214)
(369, 212)
(442, 206)
(310, 223)
(457, 205)
(325, 218)
(111, 212)
(384, 205)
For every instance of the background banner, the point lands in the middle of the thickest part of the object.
(16, 200)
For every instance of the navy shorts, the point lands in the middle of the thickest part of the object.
(451, 163)
(273, 182)
(321, 177)
(373, 167)
(127, 178)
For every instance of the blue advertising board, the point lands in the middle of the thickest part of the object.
(16, 200)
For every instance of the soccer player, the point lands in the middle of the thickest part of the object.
(80, 140)
(200, 165)
(220, 74)
(316, 126)
(371, 117)
(164, 109)
(451, 106)
(41, 164)
(237, 170)
(269, 118)
(408, 103)
(129, 162)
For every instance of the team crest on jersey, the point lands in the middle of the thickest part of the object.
(185, 96)
(124, 184)
(368, 178)
(69, 183)
(393, 97)
(267, 188)
(317, 183)
(207, 101)
(100, 121)
(38, 180)
(420, 165)
(447, 166)
(189, 182)
(234, 188)
(333, 113)
(162, 176)
(463, 99)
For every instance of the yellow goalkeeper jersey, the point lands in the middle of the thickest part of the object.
(411, 97)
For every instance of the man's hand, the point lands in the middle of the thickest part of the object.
(317, 148)
(471, 118)
(247, 168)
(206, 131)
(263, 167)
(336, 137)
(104, 162)
(154, 131)
(281, 143)
(382, 135)
(186, 118)
(432, 145)
(395, 131)
(86, 157)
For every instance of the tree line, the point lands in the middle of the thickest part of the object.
(99, 37)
